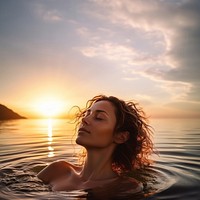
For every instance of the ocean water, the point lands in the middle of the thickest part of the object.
(26, 146)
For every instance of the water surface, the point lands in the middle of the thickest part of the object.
(26, 146)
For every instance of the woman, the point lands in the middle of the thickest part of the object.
(117, 140)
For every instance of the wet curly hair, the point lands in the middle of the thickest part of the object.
(135, 152)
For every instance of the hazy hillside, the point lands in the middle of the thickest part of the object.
(6, 113)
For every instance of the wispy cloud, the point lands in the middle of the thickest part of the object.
(177, 23)
(147, 50)
(100, 46)
(48, 15)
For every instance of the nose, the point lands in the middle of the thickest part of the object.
(85, 120)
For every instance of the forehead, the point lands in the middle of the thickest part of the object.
(103, 105)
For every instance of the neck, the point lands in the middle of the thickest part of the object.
(98, 165)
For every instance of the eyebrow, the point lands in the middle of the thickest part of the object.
(99, 111)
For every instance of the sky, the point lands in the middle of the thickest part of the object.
(66, 51)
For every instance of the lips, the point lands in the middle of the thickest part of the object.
(83, 130)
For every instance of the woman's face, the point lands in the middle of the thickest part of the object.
(97, 127)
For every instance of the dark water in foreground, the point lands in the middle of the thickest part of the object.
(26, 146)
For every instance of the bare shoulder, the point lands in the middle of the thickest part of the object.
(56, 170)
(62, 164)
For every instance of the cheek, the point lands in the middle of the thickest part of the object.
(107, 131)
(104, 133)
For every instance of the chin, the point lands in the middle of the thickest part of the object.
(80, 141)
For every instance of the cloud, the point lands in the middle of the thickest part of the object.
(124, 53)
(178, 22)
(178, 90)
(47, 14)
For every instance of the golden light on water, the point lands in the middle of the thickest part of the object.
(50, 138)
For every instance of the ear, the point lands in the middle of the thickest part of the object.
(121, 137)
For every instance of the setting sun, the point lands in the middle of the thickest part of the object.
(50, 107)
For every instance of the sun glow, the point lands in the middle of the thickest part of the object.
(50, 107)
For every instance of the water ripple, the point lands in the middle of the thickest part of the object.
(26, 146)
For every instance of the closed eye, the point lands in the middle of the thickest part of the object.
(98, 118)
(97, 114)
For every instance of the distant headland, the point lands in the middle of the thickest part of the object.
(6, 114)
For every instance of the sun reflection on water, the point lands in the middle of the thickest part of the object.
(50, 138)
